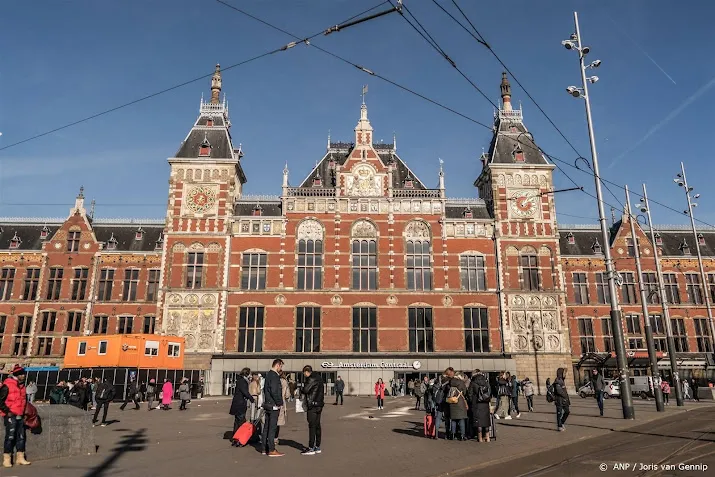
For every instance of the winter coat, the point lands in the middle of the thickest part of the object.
(184, 392)
(458, 410)
(31, 388)
(480, 409)
(254, 388)
(167, 392)
(598, 383)
(420, 389)
(561, 395)
(272, 392)
(283, 414)
(314, 391)
(339, 386)
(528, 388)
(109, 393)
(514, 387)
(380, 390)
(150, 391)
(13, 397)
(503, 387)
(241, 397)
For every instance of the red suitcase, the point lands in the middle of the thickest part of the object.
(430, 430)
(244, 433)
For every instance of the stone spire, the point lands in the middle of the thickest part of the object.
(363, 130)
(505, 92)
(79, 204)
(216, 85)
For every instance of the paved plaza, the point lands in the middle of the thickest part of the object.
(357, 440)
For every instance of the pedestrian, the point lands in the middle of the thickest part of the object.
(440, 405)
(291, 388)
(411, 387)
(93, 390)
(151, 394)
(239, 405)
(514, 386)
(503, 397)
(283, 414)
(429, 397)
(339, 388)
(200, 389)
(254, 388)
(420, 389)
(686, 389)
(104, 395)
(561, 399)
(31, 390)
(77, 395)
(167, 392)
(142, 392)
(272, 403)
(13, 400)
(380, 393)
(131, 396)
(665, 387)
(184, 393)
(695, 389)
(598, 384)
(480, 396)
(314, 392)
(59, 393)
(458, 407)
(528, 388)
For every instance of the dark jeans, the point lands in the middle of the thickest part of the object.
(314, 431)
(101, 405)
(462, 427)
(183, 405)
(339, 396)
(238, 421)
(130, 398)
(562, 413)
(530, 402)
(599, 399)
(380, 402)
(665, 397)
(417, 404)
(269, 430)
(14, 435)
(515, 403)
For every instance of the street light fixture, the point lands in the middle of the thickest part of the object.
(574, 43)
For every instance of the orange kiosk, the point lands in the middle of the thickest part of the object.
(125, 351)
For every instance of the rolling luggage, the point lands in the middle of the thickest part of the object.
(248, 430)
(429, 426)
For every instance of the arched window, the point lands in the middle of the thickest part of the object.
(529, 262)
(310, 256)
(364, 256)
(418, 256)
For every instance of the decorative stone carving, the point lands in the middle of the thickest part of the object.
(392, 300)
(363, 229)
(518, 318)
(208, 300)
(417, 229)
(174, 322)
(447, 300)
(550, 323)
(190, 321)
(175, 299)
(519, 301)
(200, 199)
(336, 300)
(363, 182)
(520, 342)
(553, 342)
(280, 300)
(539, 342)
(534, 319)
(534, 302)
(207, 320)
(549, 302)
(205, 341)
(190, 341)
(191, 299)
(310, 230)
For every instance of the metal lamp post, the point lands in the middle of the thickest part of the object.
(670, 341)
(574, 43)
(655, 374)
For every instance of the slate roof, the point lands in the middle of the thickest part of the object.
(29, 235)
(509, 134)
(456, 211)
(268, 209)
(126, 237)
(339, 153)
(583, 241)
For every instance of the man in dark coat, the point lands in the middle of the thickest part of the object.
(104, 395)
(131, 396)
(272, 403)
(561, 399)
(314, 392)
(339, 388)
(598, 384)
(239, 404)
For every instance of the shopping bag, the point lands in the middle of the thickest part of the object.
(300, 405)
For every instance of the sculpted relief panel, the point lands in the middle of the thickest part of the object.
(195, 317)
(534, 324)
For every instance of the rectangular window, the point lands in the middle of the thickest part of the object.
(679, 335)
(628, 289)
(476, 330)
(102, 349)
(672, 294)
(74, 320)
(32, 282)
(24, 325)
(602, 290)
(585, 331)
(131, 282)
(100, 325)
(702, 335)
(307, 329)
(695, 291)
(149, 325)
(151, 348)
(365, 330)
(711, 286)
(529, 272)
(253, 271)
(82, 348)
(364, 265)
(73, 241)
(3, 323)
(650, 284)
(21, 345)
(631, 248)
(49, 320)
(419, 266)
(44, 346)
(106, 279)
(608, 343)
(472, 273)
(54, 283)
(580, 289)
(657, 325)
(419, 322)
(250, 329)
(310, 265)
(635, 332)
(152, 287)
(79, 284)
(174, 350)
(7, 277)
(125, 325)
(194, 269)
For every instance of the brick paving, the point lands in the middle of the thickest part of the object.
(175, 443)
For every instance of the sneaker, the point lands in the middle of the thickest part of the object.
(308, 451)
(507, 417)
(104, 424)
(275, 453)
(561, 429)
(496, 416)
(317, 450)
(518, 415)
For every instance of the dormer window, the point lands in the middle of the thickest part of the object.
(513, 129)
(658, 239)
(701, 239)
(44, 233)
(518, 154)
(467, 213)
(571, 239)
(160, 242)
(139, 234)
(209, 122)
(15, 241)
(684, 248)
(331, 163)
(205, 148)
(597, 249)
(409, 183)
(257, 210)
(317, 181)
(112, 243)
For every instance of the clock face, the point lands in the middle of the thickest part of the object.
(524, 203)
(201, 199)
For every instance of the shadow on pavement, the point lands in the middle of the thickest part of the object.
(134, 442)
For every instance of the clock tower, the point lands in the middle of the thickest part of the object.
(516, 182)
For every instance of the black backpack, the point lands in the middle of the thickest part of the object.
(439, 395)
(550, 393)
(484, 394)
(103, 393)
(74, 395)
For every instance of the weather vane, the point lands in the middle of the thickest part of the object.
(364, 92)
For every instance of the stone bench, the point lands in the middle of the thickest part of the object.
(66, 431)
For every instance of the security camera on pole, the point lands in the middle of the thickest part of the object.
(652, 358)
(670, 341)
(574, 43)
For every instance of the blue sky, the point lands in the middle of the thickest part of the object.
(65, 60)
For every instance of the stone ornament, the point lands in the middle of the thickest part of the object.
(310, 230)
(519, 301)
(280, 300)
(518, 318)
(539, 342)
(520, 342)
(58, 245)
(534, 318)
(363, 229)
(392, 300)
(549, 302)
(553, 342)
(534, 302)
(206, 320)
(205, 341)
(190, 321)
(174, 299)
(336, 300)
(191, 299)
(208, 300)
(549, 319)
(190, 341)
(417, 230)
(363, 182)
(200, 199)
(447, 300)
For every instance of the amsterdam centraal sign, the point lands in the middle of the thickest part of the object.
(366, 365)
